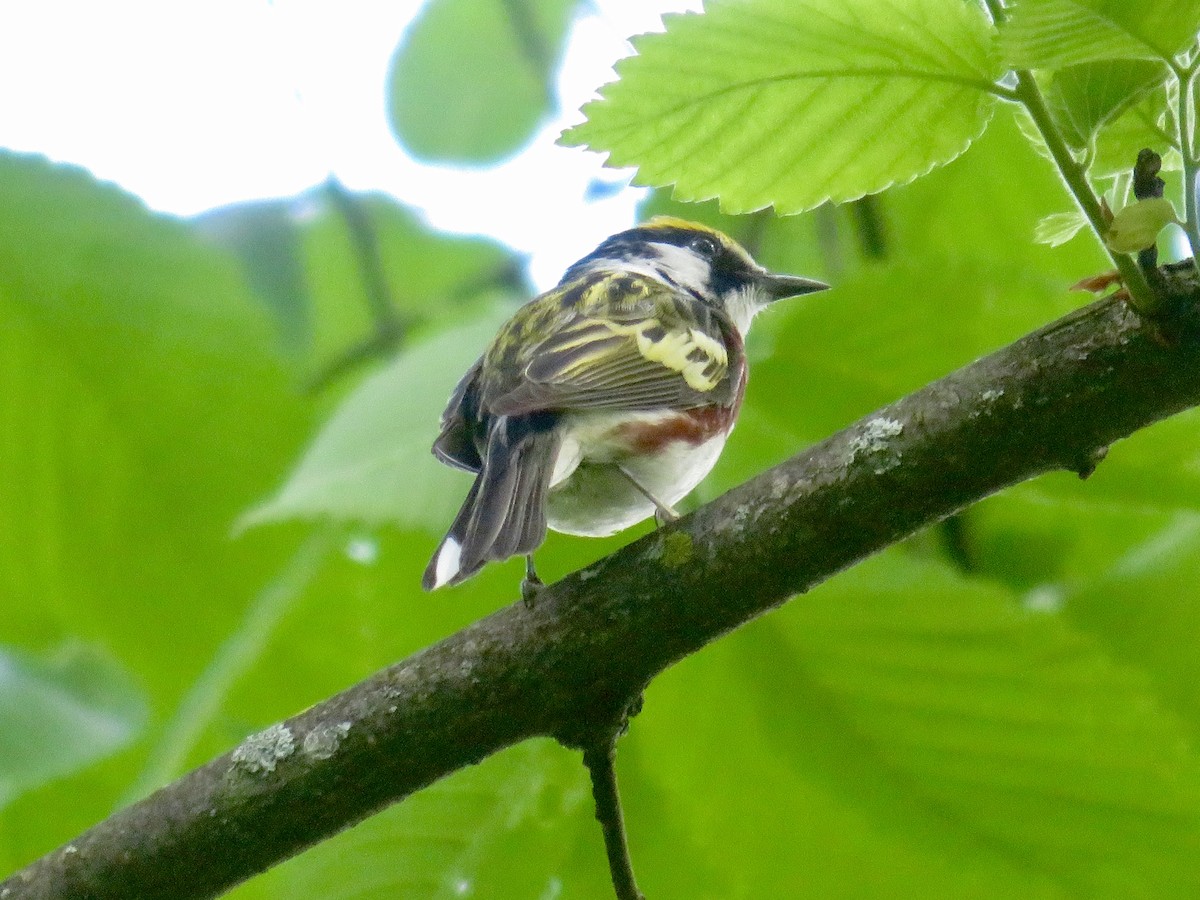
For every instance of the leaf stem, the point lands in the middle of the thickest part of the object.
(998, 12)
(1074, 174)
(1029, 95)
(1168, 139)
(1186, 121)
(1004, 93)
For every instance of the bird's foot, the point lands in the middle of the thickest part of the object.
(531, 585)
(664, 515)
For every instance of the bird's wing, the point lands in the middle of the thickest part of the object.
(463, 432)
(613, 341)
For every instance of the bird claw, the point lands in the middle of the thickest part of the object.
(531, 585)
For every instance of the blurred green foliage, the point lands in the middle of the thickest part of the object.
(1000, 707)
(473, 78)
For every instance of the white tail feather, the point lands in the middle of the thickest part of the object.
(446, 565)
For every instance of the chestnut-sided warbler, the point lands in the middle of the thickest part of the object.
(604, 400)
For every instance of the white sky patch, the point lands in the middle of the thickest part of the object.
(193, 105)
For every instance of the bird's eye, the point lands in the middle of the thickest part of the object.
(705, 245)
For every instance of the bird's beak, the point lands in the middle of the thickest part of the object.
(776, 287)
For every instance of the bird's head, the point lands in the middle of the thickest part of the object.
(698, 260)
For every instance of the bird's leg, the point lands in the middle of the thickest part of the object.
(662, 512)
(531, 585)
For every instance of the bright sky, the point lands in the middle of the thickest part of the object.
(193, 104)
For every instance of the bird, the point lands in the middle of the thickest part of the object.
(605, 400)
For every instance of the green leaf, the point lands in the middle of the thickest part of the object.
(793, 102)
(1168, 27)
(936, 739)
(60, 713)
(1083, 97)
(1156, 468)
(1142, 606)
(1043, 34)
(371, 463)
(1137, 225)
(136, 368)
(472, 79)
(1145, 124)
(333, 287)
(1058, 228)
(142, 406)
(265, 237)
(428, 276)
(504, 828)
(1007, 721)
(139, 307)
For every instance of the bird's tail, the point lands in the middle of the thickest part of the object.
(505, 511)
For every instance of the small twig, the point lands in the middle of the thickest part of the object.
(1029, 95)
(379, 343)
(387, 336)
(508, 275)
(600, 759)
(868, 221)
(365, 242)
(1146, 183)
(389, 326)
(956, 541)
(1143, 298)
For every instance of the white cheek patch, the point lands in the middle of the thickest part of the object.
(684, 267)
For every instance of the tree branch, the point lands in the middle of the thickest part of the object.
(592, 642)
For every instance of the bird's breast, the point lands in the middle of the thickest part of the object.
(667, 452)
(692, 427)
(604, 437)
